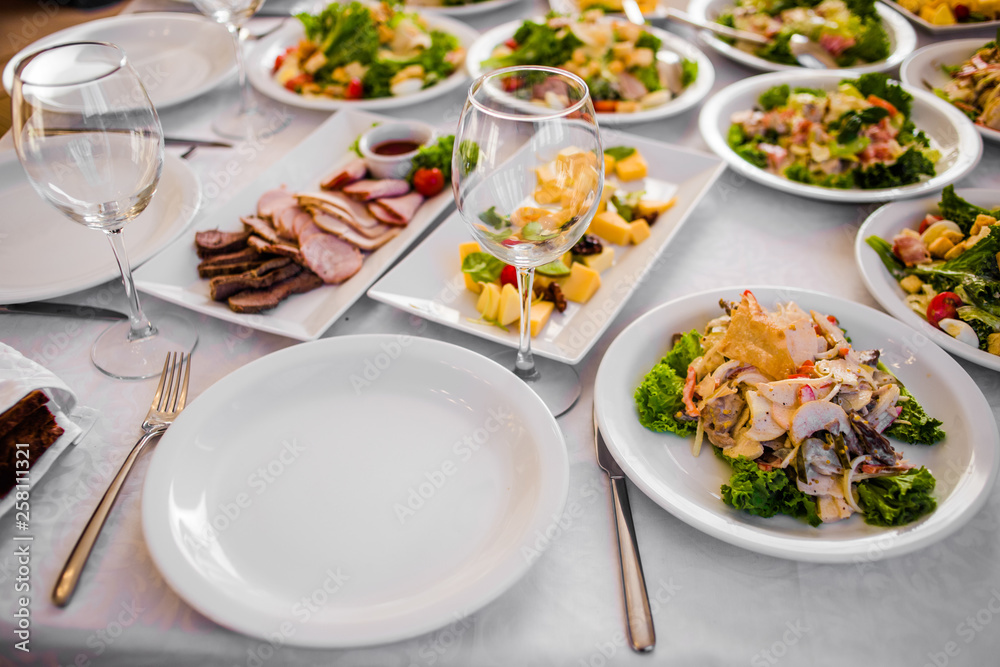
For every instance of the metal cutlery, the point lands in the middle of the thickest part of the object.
(717, 28)
(169, 400)
(639, 619)
(62, 310)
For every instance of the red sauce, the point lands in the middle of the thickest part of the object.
(395, 147)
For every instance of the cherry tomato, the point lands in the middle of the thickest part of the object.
(508, 275)
(280, 60)
(944, 305)
(354, 89)
(961, 12)
(428, 182)
(510, 44)
(512, 83)
(927, 222)
(298, 81)
(879, 102)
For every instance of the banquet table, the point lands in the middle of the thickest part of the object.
(713, 603)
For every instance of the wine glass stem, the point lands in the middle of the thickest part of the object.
(524, 366)
(247, 101)
(139, 324)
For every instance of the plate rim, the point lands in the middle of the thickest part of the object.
(260, 74)
(471, 9)
(511, 340)
(690, 97)
(190, 206)
(874, 275)
(906, 539)
(143, 17)
(903, 32)
(551, 502)
(909, 77)
(712, 110)
(263, 321)
(943, 29)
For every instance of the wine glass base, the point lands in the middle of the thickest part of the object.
(558, 385)
(249, 125)
(115, 355)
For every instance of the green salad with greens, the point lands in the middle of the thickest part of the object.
(805, 434)
(858, 135)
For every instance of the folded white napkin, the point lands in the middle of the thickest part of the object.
(20, 376)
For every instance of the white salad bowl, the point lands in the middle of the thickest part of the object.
(902, 38)
(948, 129)
(922, 69)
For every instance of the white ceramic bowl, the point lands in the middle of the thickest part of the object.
(393, 166)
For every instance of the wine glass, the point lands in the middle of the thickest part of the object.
(521, 126)
(91, 145)
(244, 121)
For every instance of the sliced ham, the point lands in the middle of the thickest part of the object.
(256, 300)
(309, 230)
(331, 258)
(337, 204)
(368, 189)
(290, 220)
(261, 228)
(630, 87)
(910, 250)
(273, 201)
(335, 225)
(215, 242)
(353, 171)
(282, 249)
(396, 210)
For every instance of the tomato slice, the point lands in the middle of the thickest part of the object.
(428, 182)
(354, 89)
(879, 102)
(605, 106)
(944, 305)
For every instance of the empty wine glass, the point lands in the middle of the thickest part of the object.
(92, 146)
(527, 174)
(244, 121)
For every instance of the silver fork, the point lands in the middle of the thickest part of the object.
(169, 400)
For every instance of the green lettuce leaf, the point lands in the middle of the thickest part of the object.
(482, 267)
(766, 492)
(658, 398)
(898, 500)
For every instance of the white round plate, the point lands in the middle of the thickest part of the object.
(925, 66)
(659, 11)
(690, 96)
(260, 64)
(986, 27)
(355, 490)
(178, 56)
(661, 464)
(44, 254)
(902, 38)
(470, 9)
(888, 221)
(948, 128)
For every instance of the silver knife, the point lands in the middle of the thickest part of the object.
(641, 634)
(62, 310)
(178, 141)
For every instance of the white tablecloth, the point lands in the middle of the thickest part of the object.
(713, 604)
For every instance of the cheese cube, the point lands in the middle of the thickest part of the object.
(601, 262)
(611, 227)
(540, 312)
(609, 165)
(648, 207)
(938, 16)
(631, 168)
(581, 284)
(489, 301)
(510, 305)
(640, 231)
(464, 250)
(606, 194)
(542, 281)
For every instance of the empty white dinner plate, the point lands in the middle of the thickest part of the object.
(661, 464)
(353, 491)
(177, 56)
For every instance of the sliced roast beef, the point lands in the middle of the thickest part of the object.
(282, 249)
(335, 225)
(273, 201)
(368, 189)
(274, 271)
(337, 204)
(234, 262)
(216, 242)
(261, 228)
(288, 221)
(353, 171)
(331, 258)
(254, 301)
(396, 210)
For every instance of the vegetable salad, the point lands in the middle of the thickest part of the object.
(975, 86)
(857, 136)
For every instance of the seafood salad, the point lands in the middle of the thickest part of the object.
(975, 86)
(799, 412)
(858, 135)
